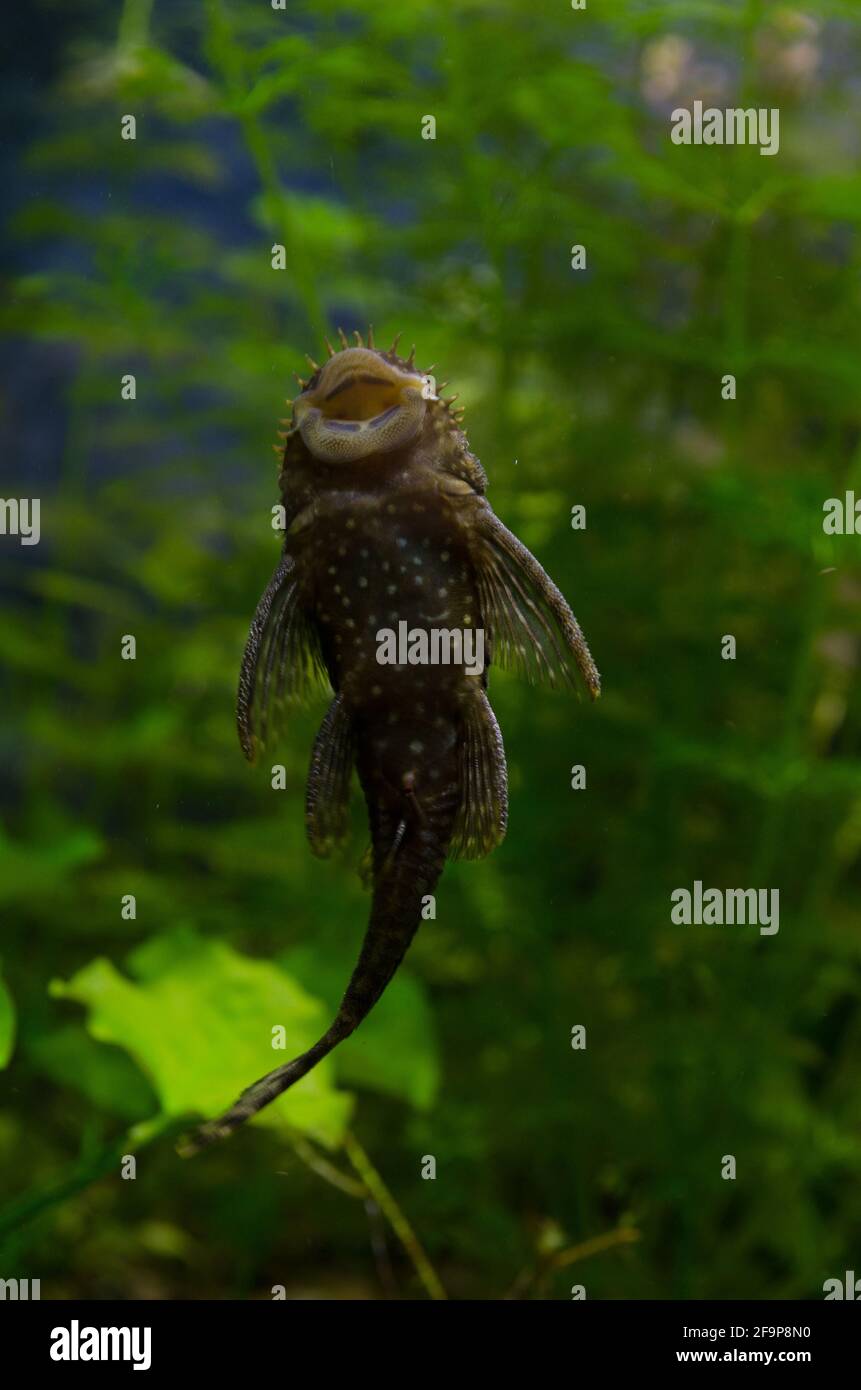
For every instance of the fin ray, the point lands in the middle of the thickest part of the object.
(531, 627)
(327, 800)
(282, 649)
(482, 814)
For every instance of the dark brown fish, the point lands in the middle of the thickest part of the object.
(387, 523)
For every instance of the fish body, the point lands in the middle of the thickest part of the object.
(388, 530)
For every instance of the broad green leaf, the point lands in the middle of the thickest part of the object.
(107, 1076)
(198, 1019)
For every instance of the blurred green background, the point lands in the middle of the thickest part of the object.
(599, 387)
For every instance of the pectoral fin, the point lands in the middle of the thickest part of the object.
(327, 800)
(529, 624)
(281, 659)
(482, 814)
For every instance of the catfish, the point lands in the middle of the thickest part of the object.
(386, 523)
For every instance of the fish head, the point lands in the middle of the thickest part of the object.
(362, 402)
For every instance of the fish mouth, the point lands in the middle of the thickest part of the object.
(359, 404)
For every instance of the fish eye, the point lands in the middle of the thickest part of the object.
(429, 388)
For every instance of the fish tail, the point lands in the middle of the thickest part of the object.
(410, 840)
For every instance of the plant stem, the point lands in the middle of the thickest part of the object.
(326, 1170)
(537, 1276)
(134, 24)
(32, 1204)
(398, 1222)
